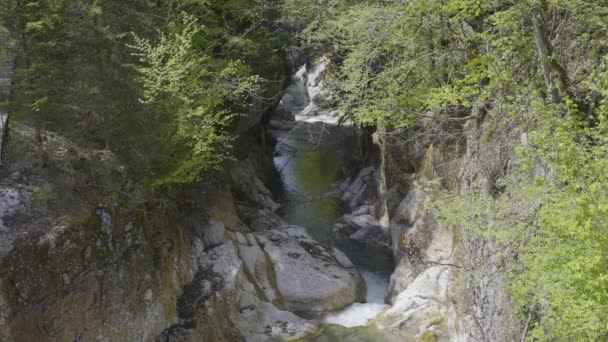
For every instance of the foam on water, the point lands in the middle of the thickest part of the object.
(356, 315)
(360, 314)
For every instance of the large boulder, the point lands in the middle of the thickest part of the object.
(311, 278)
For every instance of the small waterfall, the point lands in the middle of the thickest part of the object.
(301, 75)
(360, 314)
(306, 97)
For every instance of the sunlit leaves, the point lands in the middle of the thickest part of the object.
(199, 90)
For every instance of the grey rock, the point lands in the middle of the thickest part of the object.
(404, 274)
(256, 263)
(355, 192)
(223, 261)
(105, 220)
(409, 208)
(249, 187)
(363, 221)
(309, 276)
(342, 259)
(422, 306)
(213, 233)
(296, 55)
(14, 201)
(364, 210)
(281, 113)
(342, 228)
(259, 220)
(368, 234)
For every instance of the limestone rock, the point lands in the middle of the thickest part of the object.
(309, 276)
(404, 274)
(408, 223)
(422, 308)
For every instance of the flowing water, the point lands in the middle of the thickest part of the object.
(312, 158)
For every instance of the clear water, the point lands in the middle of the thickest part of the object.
(311, 160)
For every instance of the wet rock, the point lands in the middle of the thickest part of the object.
(296, 55)
(344, 185)
(309, 276)
(281, 113)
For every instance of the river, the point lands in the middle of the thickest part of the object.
(312, 158)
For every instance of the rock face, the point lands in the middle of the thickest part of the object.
(251, 279)
(260, 220)
(251, 188)
(442, 289)
(421, 309)
(360, 188)
(311, 278)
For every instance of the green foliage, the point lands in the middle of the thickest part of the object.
(536, 67)
(159, 84)
(199, 90)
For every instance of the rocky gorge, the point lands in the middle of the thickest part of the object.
(316, 233)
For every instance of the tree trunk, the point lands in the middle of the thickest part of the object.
(555, 75)
(380, 140)
(544, 50)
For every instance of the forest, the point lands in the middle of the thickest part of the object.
(161, 87)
